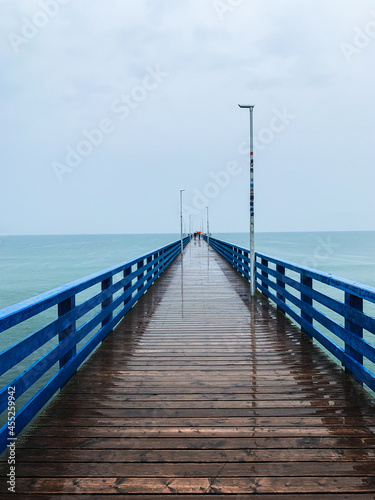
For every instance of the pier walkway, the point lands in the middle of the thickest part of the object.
(198, 394)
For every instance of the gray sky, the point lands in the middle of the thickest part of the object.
(109, 108)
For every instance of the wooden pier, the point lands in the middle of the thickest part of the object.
(200, 394)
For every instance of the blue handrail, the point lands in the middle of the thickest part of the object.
(347, 333)
(121, 287)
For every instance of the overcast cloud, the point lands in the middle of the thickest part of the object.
(109, 108)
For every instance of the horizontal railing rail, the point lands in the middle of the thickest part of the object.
(121, 287)
(329, 309)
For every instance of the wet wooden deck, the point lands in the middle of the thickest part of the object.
(199, 393)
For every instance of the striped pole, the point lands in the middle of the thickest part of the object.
(252, 236)
(182, 237)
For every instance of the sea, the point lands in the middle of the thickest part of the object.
(31, 265)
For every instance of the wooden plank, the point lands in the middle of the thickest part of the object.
(222, 455)
(151, 421)
(305, 443)
(289, 405)
(225, 392)
(195, 485)
(343, 496)
(201, 470)
(117, 415)
(215, 432)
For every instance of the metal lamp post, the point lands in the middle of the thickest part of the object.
(208, 229)
(252, 239)
(182, 237)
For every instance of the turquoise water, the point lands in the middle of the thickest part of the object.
(30, 265)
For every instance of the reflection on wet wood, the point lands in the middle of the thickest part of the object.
(198, 392)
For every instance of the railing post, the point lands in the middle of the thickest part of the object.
(149, 260)
(105, 285)
(247, 264)
(353, 329)
(264, 273)
(281, 270)
(139, 265)
(239, 257)
(305, 280)
(155, 259)
(63, 308)
(127, 273)
(162, 260)
(243, 263)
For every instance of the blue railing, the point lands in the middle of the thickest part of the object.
(329, 309)
(112, 293)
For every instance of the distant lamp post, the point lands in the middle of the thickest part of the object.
(208, 229)
(182, 236)
(252, 240)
